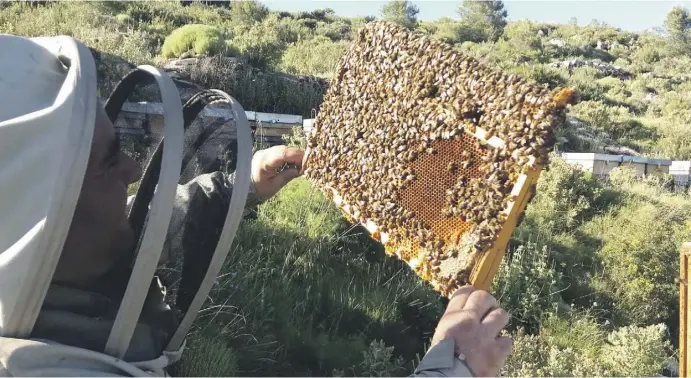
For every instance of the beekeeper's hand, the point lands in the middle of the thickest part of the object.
(474, 321)
(266, 169)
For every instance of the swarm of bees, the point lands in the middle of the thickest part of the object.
(427, 148)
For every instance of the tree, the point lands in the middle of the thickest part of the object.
(487, 18)
(247, 12)
(678, 28)
(401, 12)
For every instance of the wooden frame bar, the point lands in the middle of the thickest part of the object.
(684, 256)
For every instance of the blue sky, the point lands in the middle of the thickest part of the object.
(629, 15)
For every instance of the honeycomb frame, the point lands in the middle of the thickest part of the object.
(435, 154)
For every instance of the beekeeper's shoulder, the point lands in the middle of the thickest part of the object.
(37, 358)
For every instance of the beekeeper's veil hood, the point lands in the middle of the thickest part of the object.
(47, 112)
(48, 100)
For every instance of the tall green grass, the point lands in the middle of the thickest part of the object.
(303, 292)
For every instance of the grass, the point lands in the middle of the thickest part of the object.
(293, 301)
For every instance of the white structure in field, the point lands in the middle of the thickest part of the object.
(680, 170)
(601, 164)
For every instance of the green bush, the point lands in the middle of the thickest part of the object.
(247, 12)
(566, 196)
(543, 74)
(675, 139)
(527, 286)
(647, 54)
(379, 361)
(336, 31)
(628, 351)
(201, 39)
(318, 56)
(585, 80)
(617, 121)
(260, 45)
(291, 31)
(640, 247)
(634, 351)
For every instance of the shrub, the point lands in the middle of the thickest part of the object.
(201, 39)
(628, 351)
(336, 31)
(291, 31)
(634, 351)
(675, 139)
(585, 80)
(640, 259)
(318, 56)
(527, 286)
(566, 196)
(378, 361)
(543, 74)
(260, 91)
(616, 121)
(247, 12)
(260, 45)
(647, 54)
(449, 31)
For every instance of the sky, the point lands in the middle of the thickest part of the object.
(632, 15)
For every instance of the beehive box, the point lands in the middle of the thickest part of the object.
(433, 152)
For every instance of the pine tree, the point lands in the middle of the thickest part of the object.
(678, 28)
(401, 12)
(486, 18)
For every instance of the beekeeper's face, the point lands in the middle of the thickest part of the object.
(100, 232)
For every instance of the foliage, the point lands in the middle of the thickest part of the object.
(259, 91)
(206, 356)
(247, 12)
(487, 17)
(201, 39)
(318, 56)
(401, 12)
(630, 351)
(633, 351)
(617, 121)
(291, 31)
(675, 140)
(379, 362)
(289, 304)
(678, 27)
(260, 44)
(526, 286)
(640, 259)
(565, 197)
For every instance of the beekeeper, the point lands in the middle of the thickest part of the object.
(65, 308)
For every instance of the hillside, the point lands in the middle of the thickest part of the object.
(590, 282)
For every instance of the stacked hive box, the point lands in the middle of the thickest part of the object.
(433, 152)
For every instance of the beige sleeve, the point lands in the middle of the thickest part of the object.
(441, 361)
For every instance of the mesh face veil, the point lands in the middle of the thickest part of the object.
(434, 153)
